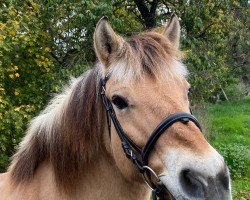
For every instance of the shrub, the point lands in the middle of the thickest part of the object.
(236, 91)
(237, 157)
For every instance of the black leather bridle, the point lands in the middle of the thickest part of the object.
(140, 158)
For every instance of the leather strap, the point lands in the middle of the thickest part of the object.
(164, 125)
(129, 146)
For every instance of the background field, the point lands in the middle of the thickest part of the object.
(43, 43)
(227, 127)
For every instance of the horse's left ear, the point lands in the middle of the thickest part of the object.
(172, 30)
(106, 41)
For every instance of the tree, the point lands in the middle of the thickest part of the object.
(42, 42)
(238, 50)
(71, 25)
(147, 12)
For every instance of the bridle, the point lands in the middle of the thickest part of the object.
(140, 158)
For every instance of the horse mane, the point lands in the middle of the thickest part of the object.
(147, 53)
(67, 133)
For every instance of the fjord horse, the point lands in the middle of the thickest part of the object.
(73, 151)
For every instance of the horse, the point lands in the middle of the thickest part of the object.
(121, 130)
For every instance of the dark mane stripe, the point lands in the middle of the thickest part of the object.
(67, 133)
(82, 126)
(72, 139)
(26, 160)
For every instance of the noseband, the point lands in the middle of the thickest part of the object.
(140, 157)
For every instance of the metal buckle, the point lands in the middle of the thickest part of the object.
(147, 180)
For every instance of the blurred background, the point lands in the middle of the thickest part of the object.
(44, 42)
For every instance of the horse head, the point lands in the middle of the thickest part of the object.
(144, 88)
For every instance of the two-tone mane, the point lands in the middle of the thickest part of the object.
(70, 152)
(67, 133)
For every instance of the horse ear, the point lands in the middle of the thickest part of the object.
(172, 30)
(106, 41)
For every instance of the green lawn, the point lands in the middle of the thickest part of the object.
(227, 127)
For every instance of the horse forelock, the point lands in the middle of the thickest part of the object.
(148, 53)
(67, 133)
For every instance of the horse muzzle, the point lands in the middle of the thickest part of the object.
(194, 185)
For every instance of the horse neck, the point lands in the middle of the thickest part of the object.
(103, 180)
(77, 157)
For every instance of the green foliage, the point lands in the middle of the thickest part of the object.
(215, 43)
(235, 91)
(231, 134)
(26, 71)
(72, 26)
(228, 129)
(204, 43)
(43, 42)
(230, 122)
(241, 188)
(238, 44)
(237, 157)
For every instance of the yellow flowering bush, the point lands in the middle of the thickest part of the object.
(26, 72)
(36, 37)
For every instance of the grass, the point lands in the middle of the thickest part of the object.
(227, 127)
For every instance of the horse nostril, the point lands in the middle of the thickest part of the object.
(192, 183)
(223, 178)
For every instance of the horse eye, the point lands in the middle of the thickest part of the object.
(119, 102)
(189, 90)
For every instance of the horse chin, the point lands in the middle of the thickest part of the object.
(167, 194)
